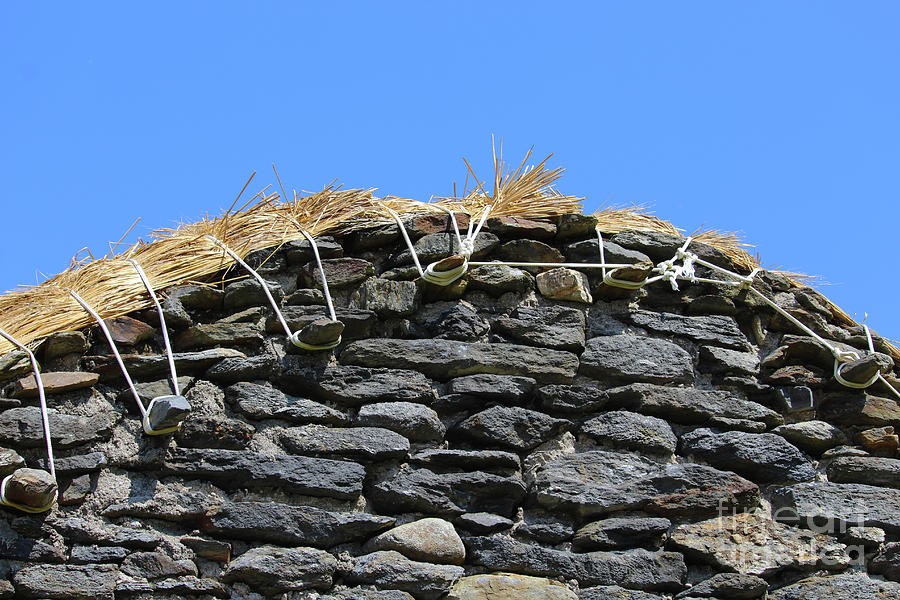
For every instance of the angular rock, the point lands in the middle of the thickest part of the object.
(722, 360)
(508, 586)
(859, 408)
(150, 499)
(574, 225)
(156, 565)
(813, 437)
(127, 331)
(198, 297)
(232, 370)
(614, 592)
(571, 399)
(10, 460)
(428, 540)
(190, 586)
(79, 464)
(632, 431)
(635, 358)
(357, 323)
(499, 279)
(879, 438)
(493, 387)
(339, 272)
(871, 470)
(482, 523)
(690, 406)
(54, 383)
(31, 487)
(756, 545)
(208, 549)
(622, 532)
(63, 343)
(417, 489)
(763, 457)
(149, 390)
(68, 582)
(411, 420)
(82, 555)
(298, 252)
(95, 531)
(298, 474)
(564, 284)
(143, 366)
(208, 431)
(445, 359)
(167, 411)
(23, 428)
(638, 569)
(525, 250)
(462, 322)
(354, 386)
(321, 332)
(848, 585)
(863, 369)
(391, 570)
(274, 570)
(588, 251)
(207, 335)
(868, 537)
(719, 330)
(435, 246)
(735, 586)
(249, 292)
(557, 327)
(289, 525)
(517, 227)
(600, 482)
(467, 459)
(511, 427)
(841, 505)
(389, 298)
(359, 443)
(263, 402)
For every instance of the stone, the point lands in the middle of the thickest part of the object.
(734, 586)
(858, 408)
(631, 431)
(571, 399)
(424, 224)
(289, 525)
(14, 364)
(150, 499)
(843, 451)
(588, 251)
(82, 555)
(358, 443)
(871, 470)
(564, 284)
(413, 421)
(63, 343)
(622, 532)
(690, 406)
(813, 437)
(263, 402)
(557, 327)
(632, 358)
(428, 540)
(31, 487)
(719, 330)
(339, 272)
(502, 388)
(500, 279)
(23, 428)
(509, 586)
(149, 390)
(10, 460)
(76, 492)
(445, 359)
(511, 427)
(299, 474)
(481, 523)
(156, 565)
(68, 582)
(298, 252)
(306, 297)
(545, 527)
(207, 335)
(756, 545)
(274, 570)
(92, 530)
(714, 359)
(839, 504)
(321, 332)
(354, 386)
(461, 322)
(435, 246)
(879, 438)
(575, 225)
(527, 250)
(208, 549)
(127, 331)
(357, 323)
(231, 370)
(598, 482)
(388, 298)
(657, 245)
(518, 227)
(167, 411)
(847, 585)
(863, 369)
(249, 292)
(418, 489)
(868, 537)
(190, 585)
(467, 459)
(763, 457)
(614, 592)
(391, 570)
(638, 569)
(144, 366)
(198, 297)
(54, 383)
(78, 464)
(796, 375)
(208, 431)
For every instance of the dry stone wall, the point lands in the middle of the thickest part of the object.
(522, 433)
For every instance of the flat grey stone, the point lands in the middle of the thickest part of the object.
(557, 327)
(499, 279)
(720, 330)
(411, 420)
(848, 585)
(614, 592)
(871, 470)
(467, 459)
(231, 370)
(511, 427)
(340, 272)
(144, 366)
(63, 343)
(571, 399)
(714, 359)
(272, 570)
(81, 555)
(298, 252)
(168, 411)
(588, 251)
(887, 561)
(358, 443)
(22, 427)
(461, 322)
(354, 386)
(358, 323)
(156, 565)
(632, 431)
(263, 402)
(435, 246)
(248, 292)
(622, 532)
(481, 523)
(290, 525)
(445, 359)
(762, 457)
(214, 431)
(75, 582)
(632, 358)
(207, 335)
(196, 297)
(493, 387)
(736, 586)
(814, 437)
(392, 570)
(388, 298)
(842, 504)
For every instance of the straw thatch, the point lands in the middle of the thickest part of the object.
(185, 255)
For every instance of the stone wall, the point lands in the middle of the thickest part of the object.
(521, 433)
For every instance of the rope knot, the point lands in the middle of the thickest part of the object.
(467, 247)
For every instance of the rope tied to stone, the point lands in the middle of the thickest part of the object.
(45, 421)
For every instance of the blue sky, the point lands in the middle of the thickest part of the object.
(779, 120)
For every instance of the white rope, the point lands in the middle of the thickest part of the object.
(45, 420)
(162, 323)
(112, 344)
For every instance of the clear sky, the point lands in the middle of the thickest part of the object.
(780, 120)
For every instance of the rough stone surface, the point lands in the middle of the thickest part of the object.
(274, 570)
(54, 383)
(391, 570)
(493, 387)
(564, 284)
(428, 540)
(842, 504)
(511, 427)
(67, 582)
(389, 298)
(865, 469)
(22, 427)
(411, 420)
(509, 586)
(714, 359)
(622, 532)
(359, 443)
(207, 335)
(352, 385)
(632, 358)
(814, 437)
(719, 330)
(31, 487)
(263, 402)
(733, 586)
(557, 327)
(499, 279)
(849, 585)
(631, 431)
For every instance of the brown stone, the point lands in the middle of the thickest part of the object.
(429, 540)
(128, 331)
(31, 487)
(637, 272)
(420, 225)
(55, 383)
(863, 369)
(449, 263)
(879, 438)
(564, 284)
(516, 227)
(510, 586)
(321, 332)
